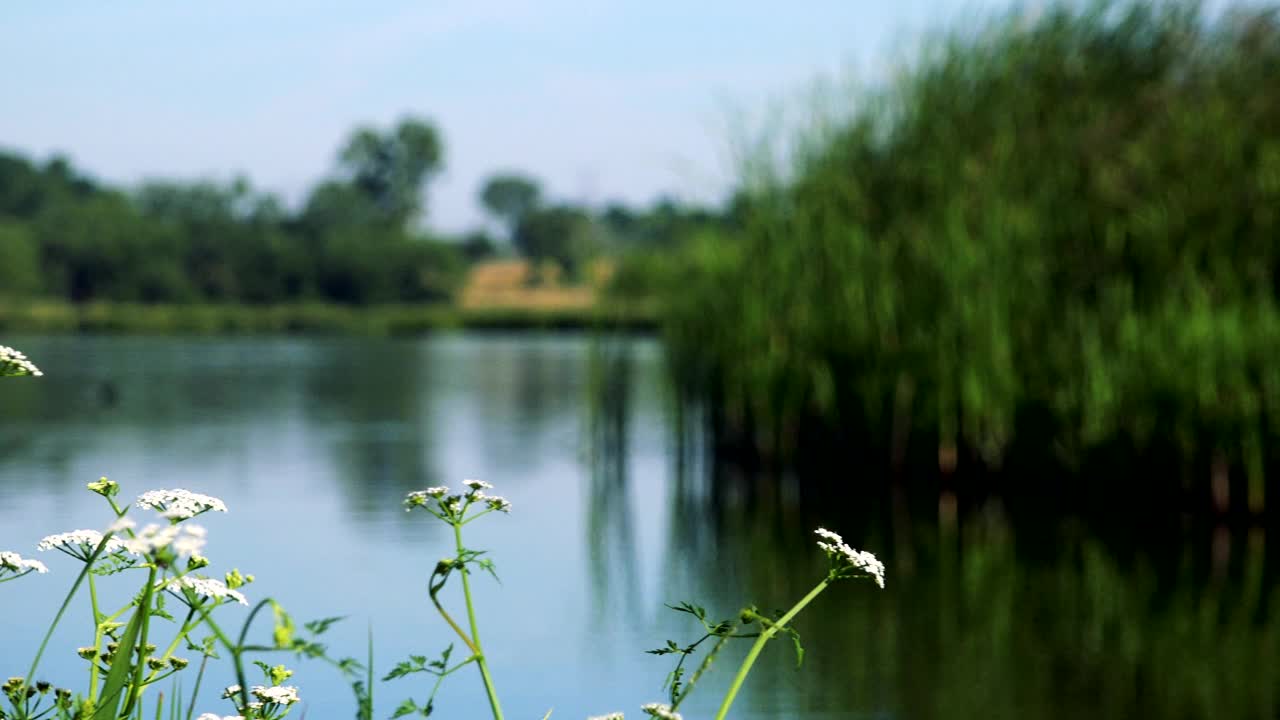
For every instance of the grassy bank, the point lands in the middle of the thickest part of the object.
(317, 318)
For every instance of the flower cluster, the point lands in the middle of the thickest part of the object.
(203, 587)
(180, 504)
(610, 716)
(268, 700)
(182, 540)
(845, 559)
(279, 695)
(15, 364)
(15, 563)
(215, 716)
(80, 544)
(438, 501)
(663, 712)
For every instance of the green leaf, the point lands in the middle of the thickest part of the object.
(318, 627)
(117, 680)
(408, 707)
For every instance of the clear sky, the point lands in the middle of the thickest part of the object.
(622, 99)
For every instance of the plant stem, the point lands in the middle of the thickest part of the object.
(66, 602)
(756, 647)
(481, 661)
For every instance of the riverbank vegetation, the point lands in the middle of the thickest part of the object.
(209, 255)
(1050, 236)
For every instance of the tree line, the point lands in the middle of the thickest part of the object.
(359, 237)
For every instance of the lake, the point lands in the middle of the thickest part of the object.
(313, 443)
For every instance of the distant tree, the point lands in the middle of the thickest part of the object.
(562, 233)
(391, 170)
(510, 197)
(19, 262)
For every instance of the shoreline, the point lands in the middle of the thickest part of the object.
(318, 318)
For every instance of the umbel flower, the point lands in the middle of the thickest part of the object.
(658, 710)
(178, 505)
(12, 562)
(439, 502)
(203, 587)
(847, 562)
(80, 544)
(183, 540)
(15, 364)
(610, 716)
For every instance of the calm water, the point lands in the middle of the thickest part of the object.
(313, 442)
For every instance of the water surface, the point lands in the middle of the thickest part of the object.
(313, 443)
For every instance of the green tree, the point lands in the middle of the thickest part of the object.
(510, 197)
(561, 233)
(391, 169)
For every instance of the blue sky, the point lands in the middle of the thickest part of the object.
(600, 100)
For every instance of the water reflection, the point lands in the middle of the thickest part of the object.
(992, 610)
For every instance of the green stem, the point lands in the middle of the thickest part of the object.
(186, 628)
(97, 640)
(756, 647)
(134, 697)
(65, 603)
(481, 661)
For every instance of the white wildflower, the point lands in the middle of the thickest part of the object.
(847, 558)
(230, 692)
(185, 540)
(80, 544)
(477, 484)
(121, 524)
(215, 716)
(497, 502)
(280, 695)
(610, 716)
(180, 504)
(15, 364)
(15, 562)
(203, 587)
(658, 710)
(823, 532)
(436, 492)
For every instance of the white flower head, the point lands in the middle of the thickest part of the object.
(609, 716)
(122, 524)
(184, 540)
(178, 505)
(847, 562)
(205, 588)
(477, 484)
(80, 544)
(15, 364)
(661, 711)
(422, 498)
(230, 692)
(497, 502)
(215, 716)
(280, 695)
(18, 565)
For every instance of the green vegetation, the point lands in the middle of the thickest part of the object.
(212, 253)
(1052, 234)
(310, 318)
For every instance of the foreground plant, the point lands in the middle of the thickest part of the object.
(127, 654)
(15, 364)
(455, 510)
(844, 563)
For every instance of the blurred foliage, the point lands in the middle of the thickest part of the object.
(1054, 232)
(356, 240)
